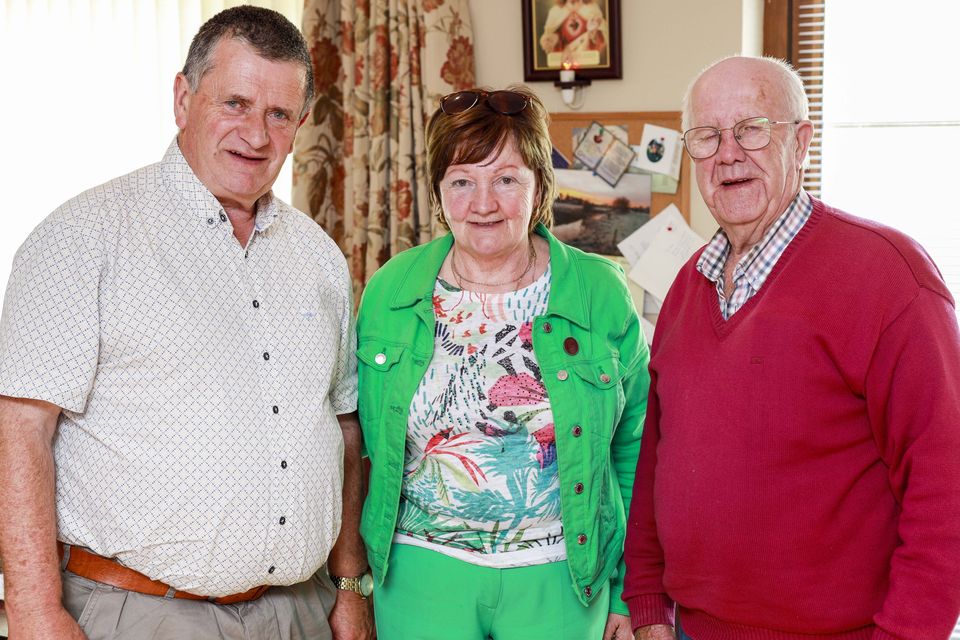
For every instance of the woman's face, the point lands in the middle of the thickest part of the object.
(488, 205)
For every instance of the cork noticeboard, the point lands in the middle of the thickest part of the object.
(563, 124)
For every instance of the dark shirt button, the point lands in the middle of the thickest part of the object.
(283, 464)
(271, 569)
(547, 327)
(256, 304)
(266, 356)
(578, 488)
(209, 220)
(570, 346)
(577, 430)
(276, 409)
(246, 254)
(223, 218)
(283, 520)
(582, 538)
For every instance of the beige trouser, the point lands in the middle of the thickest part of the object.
(297, 612)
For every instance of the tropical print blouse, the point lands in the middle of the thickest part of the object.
(480, 475)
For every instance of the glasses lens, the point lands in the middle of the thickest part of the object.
(701, 142)
(458, 102)
(753, 134)
(507, 102)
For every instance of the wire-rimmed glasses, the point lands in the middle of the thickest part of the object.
(751, 134)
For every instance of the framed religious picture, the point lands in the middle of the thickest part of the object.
(583, 35)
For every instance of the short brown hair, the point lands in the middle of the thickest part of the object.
(474, 135)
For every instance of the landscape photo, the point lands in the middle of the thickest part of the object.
(593, 216)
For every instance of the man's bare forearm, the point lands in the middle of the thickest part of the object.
(28, 529)
(348, 556)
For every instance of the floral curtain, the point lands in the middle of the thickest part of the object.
(359, 166)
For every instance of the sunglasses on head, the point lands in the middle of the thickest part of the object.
(507, 103)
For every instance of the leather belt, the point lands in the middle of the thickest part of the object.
(108, 571)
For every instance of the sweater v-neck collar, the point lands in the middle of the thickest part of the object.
(724, 327)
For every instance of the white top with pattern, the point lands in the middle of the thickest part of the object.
(200, 382)
(480, 479)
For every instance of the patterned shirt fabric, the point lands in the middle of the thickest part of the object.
(200, 380)
(752, 270)
(480, 475)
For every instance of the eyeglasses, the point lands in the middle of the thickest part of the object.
(751, 134)
(508, 103)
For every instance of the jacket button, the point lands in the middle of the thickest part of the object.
(577, 430)
(582, 539)
(547, 327)
(604, 378)
(562, 375)
(570, 346)
(587, 591)
(380, 358)
(578, 488)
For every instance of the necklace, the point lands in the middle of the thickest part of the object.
(532, 259)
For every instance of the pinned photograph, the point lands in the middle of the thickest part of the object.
(660, 151)
(593, 216)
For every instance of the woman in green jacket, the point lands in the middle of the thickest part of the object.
(503, 384)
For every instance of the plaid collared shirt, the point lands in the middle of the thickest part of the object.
(751, 272)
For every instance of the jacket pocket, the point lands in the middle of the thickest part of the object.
(602, 380)
(378, 365)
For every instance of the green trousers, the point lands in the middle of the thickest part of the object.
(430, 596)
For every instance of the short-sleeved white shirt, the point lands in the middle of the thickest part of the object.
(200, 380)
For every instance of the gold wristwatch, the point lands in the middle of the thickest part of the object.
(362, 585)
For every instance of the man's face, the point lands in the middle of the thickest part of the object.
(747, 191)
(237, 128)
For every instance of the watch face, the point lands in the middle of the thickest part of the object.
(366, 585)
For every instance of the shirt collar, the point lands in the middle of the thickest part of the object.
(204, 204)
(756, 265)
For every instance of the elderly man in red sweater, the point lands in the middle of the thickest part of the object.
(799, 475)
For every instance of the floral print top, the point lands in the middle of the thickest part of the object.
(480, 472)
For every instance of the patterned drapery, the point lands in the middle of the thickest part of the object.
(359, 163)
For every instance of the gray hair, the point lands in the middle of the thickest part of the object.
(270, 34)
(790, 81)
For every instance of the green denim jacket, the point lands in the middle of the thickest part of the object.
(598, 397)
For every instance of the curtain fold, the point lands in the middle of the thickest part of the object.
(359, 166)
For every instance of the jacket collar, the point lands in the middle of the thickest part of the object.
(567, 291)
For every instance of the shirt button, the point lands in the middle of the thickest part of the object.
(223, 218)
(582, 538)
(562, 375)
(209, 220)
(578, 488)
(266, 356)
(276, 409)
(256, 304)
(283, 520)
(547, 327)
(271, 569)
(570, 346)
(283, 464)
(577, 430)
(604, 378)
(380, 358)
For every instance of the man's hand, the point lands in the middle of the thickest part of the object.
(351, 617)
(44, 625)
(618, 627)
(656, 632)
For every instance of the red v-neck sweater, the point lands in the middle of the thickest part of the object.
(799, 474)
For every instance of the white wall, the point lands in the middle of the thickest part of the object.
(665, 43)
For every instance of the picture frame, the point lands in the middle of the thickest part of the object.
(584, 34)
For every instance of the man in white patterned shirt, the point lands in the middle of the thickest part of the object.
(178, 440)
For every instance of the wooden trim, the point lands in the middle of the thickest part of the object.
(778, 29)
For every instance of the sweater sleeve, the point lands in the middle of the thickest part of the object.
(643, 589)
(912, 390)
